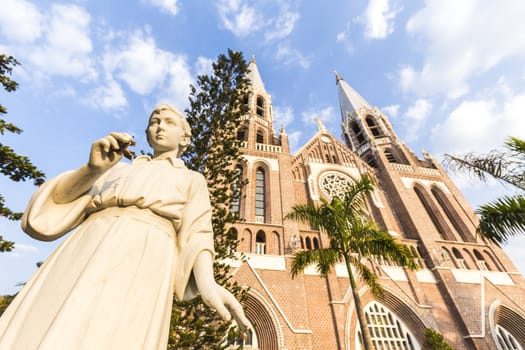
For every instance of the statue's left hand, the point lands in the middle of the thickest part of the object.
(214, 295)
(226, 306)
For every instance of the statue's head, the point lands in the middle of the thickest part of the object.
(161, 117)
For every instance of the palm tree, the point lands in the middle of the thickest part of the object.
(352, 237)
(505, 216)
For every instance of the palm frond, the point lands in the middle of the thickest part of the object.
(495, 164)
(306, 213)
(517, 146)
(502, 218)
(369, 277)
(507, 166)
(322, 258)
(355, 197)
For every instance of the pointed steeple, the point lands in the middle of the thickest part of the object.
(349, 100)
(254, 76)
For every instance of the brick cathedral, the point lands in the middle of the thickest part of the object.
(467, 289)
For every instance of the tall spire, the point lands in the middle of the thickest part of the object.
(349, 100)
(254, 76)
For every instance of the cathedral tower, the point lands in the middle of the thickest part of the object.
(428, 208)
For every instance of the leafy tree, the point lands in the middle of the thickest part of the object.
(14, 166)
(505, 216)
(5, 300)
(434, 341)
(215, 115)
(352, 237)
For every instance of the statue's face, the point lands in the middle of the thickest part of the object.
(165, 132)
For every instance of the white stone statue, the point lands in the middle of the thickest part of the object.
(143, 232)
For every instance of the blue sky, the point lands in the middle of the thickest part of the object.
(450, 75)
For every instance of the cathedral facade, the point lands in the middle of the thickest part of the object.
(466, 289)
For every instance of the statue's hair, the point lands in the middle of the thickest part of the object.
(180, 116)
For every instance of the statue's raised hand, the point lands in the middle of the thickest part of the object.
(109, 150)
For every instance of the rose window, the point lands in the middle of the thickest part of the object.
(334, 184)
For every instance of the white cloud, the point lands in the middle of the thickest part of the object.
(282, 26)
(20, 21)
(168, 6)
(379, 19)
(238, 17)
(288, 55)
(203, 66)
(415, 117)
(419, 111)
(344, 37)
(481, 125)
(326, 115)
(22, 250)
(67, 46)
(341, 36)
(293, 140)
(461, 40)
(177, 86)
(274, 19)
(283, 116)
(108, 98)
(140, 63)
(146, 69)
(391, 111)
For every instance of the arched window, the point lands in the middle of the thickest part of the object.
(260, 136)
(480, 261)
(242, 134)
(358, 132)
(371, 161)
(433, 213)
(260, 107)
(452, 215)
(276, 243)
(260, 243)
(374, 128)
(387, 330)
(347, 140)
(505, 340)
(390, 156)
(260, 186)
(232, 232)
(460, 261)
(496, 265)
(445, 255)
(506, 326)
(246, 241)
(236, 191)
(316, 243)
(308, 243)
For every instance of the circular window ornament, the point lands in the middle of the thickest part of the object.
(325, 139)
(334, 184)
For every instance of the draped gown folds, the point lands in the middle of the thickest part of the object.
(110, 284)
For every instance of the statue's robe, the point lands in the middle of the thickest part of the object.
(110, 284)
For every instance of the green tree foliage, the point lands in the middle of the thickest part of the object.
(505, 216)
(352, 238)
(14, 166)
(434, 341)
(216, 108)
(5, 300)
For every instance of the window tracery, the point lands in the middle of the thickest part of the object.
(335, 184)
(387, 331)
